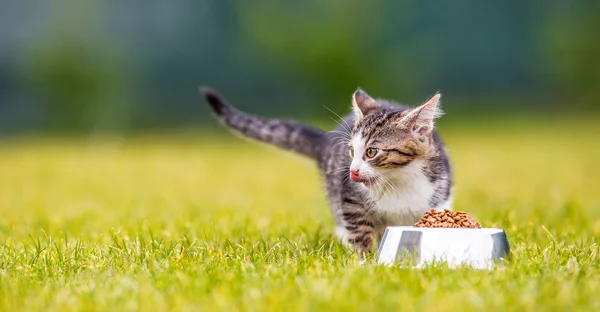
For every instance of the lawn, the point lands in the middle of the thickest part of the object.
(197, 222)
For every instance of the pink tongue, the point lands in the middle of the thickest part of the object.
(354, 177)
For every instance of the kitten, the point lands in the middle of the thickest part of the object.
(387, 169)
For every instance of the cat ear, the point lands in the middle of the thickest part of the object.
(420, 120)
(362, 104)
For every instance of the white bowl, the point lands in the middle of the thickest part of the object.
(417, 247)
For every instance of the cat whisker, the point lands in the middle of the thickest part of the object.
(339, 140)
(341, 143)
(345, 135)
(345, 179)
(337, 170)
(388, 183)
(379, 186)
(340, 117)
(343, 140)
(384, 185)
(346, 129)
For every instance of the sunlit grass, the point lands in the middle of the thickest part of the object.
(175, 223)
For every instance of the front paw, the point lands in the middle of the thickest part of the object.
(363, 243)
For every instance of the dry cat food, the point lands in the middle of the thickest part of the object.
(447, 219)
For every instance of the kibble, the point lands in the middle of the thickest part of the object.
(447, 219)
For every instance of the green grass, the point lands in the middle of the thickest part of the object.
(172, 223)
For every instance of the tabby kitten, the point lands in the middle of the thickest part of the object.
(387, 169)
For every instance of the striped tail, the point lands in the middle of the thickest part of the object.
(288, 135)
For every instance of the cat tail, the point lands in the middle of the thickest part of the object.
(285, 134)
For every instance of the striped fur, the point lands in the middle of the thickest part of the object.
(409, 174)
(285, 134)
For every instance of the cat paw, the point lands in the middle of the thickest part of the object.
(363, 244)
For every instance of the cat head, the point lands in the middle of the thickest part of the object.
(387, 138)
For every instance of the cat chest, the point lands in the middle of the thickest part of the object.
(410, 201)
(407, 199)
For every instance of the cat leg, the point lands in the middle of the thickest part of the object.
(334, 194)
(342, 234)
(358, 223)
(333, 180)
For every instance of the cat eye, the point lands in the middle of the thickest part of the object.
(351, 151)
(371, 152)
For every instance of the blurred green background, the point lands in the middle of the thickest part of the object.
(118, 190)
(121, 66)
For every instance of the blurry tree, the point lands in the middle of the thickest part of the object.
(571, 33)
(339, 46)
(79, 79)
(110, 64)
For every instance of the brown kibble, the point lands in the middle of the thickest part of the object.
(447, 219)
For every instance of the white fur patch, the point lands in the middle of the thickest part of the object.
(341, 233)
(407, 197)
(359, 149)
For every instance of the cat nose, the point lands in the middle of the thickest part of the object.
(354, 175)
